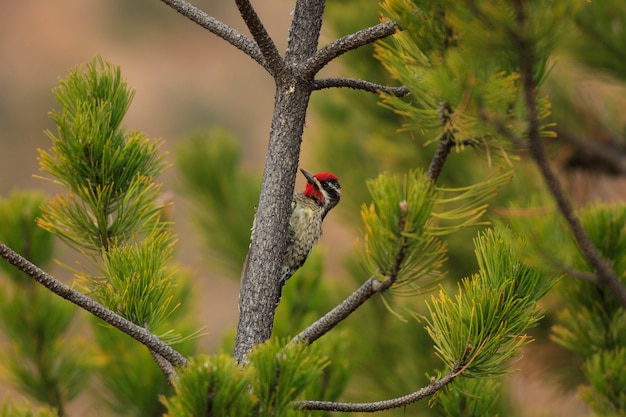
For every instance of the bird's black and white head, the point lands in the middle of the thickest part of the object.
(324, 188)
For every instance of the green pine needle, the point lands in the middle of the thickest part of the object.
(397, 242)
(109, 174)
(482, 327)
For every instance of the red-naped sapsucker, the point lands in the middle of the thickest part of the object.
(308, 210)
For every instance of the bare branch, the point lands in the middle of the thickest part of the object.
(166, 367)
(605, 274)
(138, 333)
(260, 35)
(357, 84)
(230, 35)
(427, 391)
(348, 43)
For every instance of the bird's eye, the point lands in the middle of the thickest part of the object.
(331, 185)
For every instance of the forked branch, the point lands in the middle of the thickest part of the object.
(230, 35)
(142, 335)
(260, 35)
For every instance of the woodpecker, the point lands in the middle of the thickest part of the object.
(308, 210)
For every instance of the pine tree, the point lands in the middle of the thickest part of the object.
(421, 320)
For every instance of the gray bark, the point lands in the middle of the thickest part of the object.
(260, 287)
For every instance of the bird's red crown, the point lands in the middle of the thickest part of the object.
(326, 176)
(311, 189)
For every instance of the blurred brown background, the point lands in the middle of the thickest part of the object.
(185, 79)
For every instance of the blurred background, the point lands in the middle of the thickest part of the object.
(187, 80)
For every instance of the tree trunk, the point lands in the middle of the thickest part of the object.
(260, 287)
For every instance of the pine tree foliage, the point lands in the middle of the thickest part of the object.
(462, 207)
(606, 389)
(18, 213)
(211, 386)
(460, 89)
(601, 44)
(593, 324)
(494, 308)
(138, 280)
(471, 397)
(396, 241)
(43, 359)
(275, 376)
(110, 214)
(111, 198)
(9, 409)
(109, 174)
(404, 223)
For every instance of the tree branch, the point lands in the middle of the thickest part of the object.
(439, 158)
(220, 29)
(166, 367)
(427, 391)
(348, 43)
(357, 84)
(264, 41)
(605, 275)
(138, 333)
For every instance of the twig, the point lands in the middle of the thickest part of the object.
(581, 275)
(260, 35)
(166, 367)
(348, 43)
(227, 33)
(439, 158)
(357, 84)
(136, 332)
(427, 391)
(606, 276)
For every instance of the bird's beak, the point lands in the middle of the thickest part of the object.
(310, 178)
